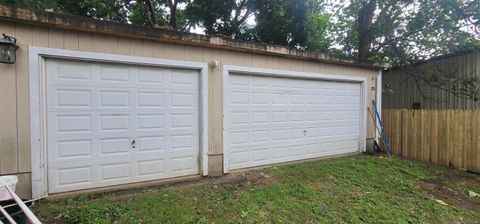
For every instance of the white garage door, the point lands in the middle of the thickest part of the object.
(274, 119)
(111, 124)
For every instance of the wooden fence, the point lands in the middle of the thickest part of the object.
(447, 137)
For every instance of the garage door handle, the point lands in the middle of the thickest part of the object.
(133, 143)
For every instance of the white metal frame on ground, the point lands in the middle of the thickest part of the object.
(37, 56)
(227, 69)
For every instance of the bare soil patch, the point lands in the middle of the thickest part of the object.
(244, 180)
(440, 191)
(463, 179)
(234, 181)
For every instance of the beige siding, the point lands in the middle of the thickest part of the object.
(23, 111)
(14, 86)
(405, 90)
(8, 110)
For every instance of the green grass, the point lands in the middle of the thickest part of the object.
(358, 189)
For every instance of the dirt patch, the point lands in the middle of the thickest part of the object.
(315, 186)
(440, 191)
(464, 179)
(233, 181)
(241, 181)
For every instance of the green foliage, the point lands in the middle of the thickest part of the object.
(398, 32)
(401, 31)
(106, 9)
(139, 14)
(282, 22)
(318, 25)
(359, 189)
(226, 17)
(78, 210)
(405, 31)
(34, 4)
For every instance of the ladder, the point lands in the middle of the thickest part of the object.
(383, 133)
(28, 213)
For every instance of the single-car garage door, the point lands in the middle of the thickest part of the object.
(110, 124)
(276, 119)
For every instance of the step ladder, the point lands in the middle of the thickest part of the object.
(383, 133)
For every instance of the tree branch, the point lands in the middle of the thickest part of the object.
(151, 13)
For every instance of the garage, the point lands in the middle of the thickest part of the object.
(110, 121)
(93, 105)
(276, 117)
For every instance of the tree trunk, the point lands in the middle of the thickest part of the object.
(365, 21)
(151, 13)
(172, 4)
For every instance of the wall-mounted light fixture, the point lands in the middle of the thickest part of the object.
(8, 47)
(214, 63)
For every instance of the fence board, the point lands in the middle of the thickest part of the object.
(447, 137)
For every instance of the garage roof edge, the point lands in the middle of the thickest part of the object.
(56, 20)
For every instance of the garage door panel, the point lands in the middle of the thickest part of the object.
(151, 144)
(67, 97)
(239, 117)
(262, 154)
(239, 98)
(150, 121)
(183, 164)
(71, 124)
(151, 167)
(114, 124)
(73, 176)
(71, 149)
(279, 152)
(279, 98)
(181, 141)
(183, 120)
(150, 76)
(183, 78)
(114, 98)
(240, 158)
(70, 72)
(115, 146)
(259, 117)
(115, 171)
(275, 119)
(114, 73)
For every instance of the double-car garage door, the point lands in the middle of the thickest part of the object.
(109, 124)
(273, 119)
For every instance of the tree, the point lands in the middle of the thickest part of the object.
(301, 24)
(318, 24)
(226, 17)
(401, 31)
(146, 13)
(296, 23)
(281, 22)
(159, 14)
(107, 9)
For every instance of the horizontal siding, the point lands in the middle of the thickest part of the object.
(14, 88)
(405, 90)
